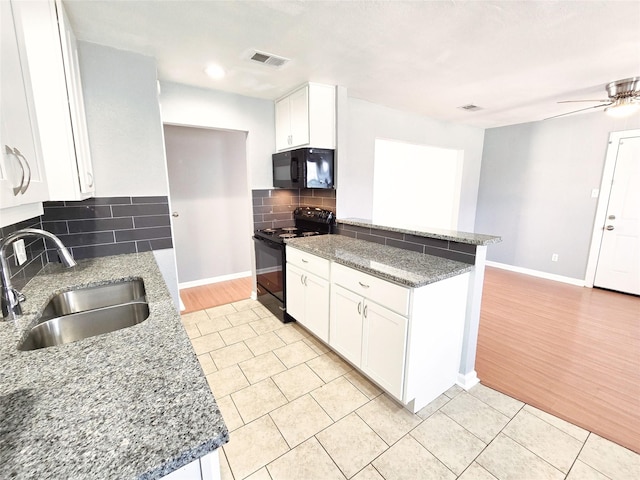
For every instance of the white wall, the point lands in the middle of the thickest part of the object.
(184, 105)
(367, 121)
(535, 190)
(123, 118)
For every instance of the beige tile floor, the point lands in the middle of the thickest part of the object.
(296, 411)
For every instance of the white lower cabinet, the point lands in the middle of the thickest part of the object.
(308, 291)
(205, 468)
(384, 345)
(370, 336)
(407, 340)
(345, 325)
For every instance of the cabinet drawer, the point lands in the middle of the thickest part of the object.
(387, 294)
(317, 265)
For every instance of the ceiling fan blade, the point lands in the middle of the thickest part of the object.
(581, 110)
(576, 101)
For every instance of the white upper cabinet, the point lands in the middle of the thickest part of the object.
(57, 90)
(306, 118)
(22, 176)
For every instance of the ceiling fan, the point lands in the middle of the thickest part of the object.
(624, 99)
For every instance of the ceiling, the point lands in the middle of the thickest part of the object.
(515, 59)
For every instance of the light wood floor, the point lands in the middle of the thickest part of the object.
(214, 294)
(573, 352)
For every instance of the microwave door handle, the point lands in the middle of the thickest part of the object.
(295, 170)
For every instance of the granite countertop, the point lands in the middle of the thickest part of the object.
(131, 404)
(404, 267)
(451, 235)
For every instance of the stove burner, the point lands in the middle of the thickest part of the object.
(270, 231)
(309, 234)
(287, 235)
(289, 229)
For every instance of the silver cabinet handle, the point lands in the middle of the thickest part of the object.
(305, 280)
(175, 214)
(89, 179)
(302, 279)
(365, 311)
(26, 163)
(359, 308)
(610, 227)
(9, 151)
(363, 285)
(611, 217)
(304, 261)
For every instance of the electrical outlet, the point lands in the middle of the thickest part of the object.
(19, 251)
(554, 257)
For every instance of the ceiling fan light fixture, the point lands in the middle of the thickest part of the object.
(623, 107)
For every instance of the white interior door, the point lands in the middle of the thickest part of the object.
(619, 260)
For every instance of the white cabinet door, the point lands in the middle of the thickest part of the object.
(345, 324)
(22, 177)
(52, 56)
(76, 106)
(317, 306)
(295, 293)
(384, 347)
(299, 104)
(283, 124)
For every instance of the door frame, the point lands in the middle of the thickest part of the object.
(603, 201)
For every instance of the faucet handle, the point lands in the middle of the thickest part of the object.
(11, 296)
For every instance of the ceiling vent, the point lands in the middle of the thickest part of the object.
(268, 59)
(470, 107)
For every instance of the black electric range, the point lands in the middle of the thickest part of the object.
(271, 255)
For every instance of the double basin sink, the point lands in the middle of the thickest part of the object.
(87, 312)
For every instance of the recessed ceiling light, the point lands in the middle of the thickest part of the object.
(215, 71)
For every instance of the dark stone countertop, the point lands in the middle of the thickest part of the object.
(404, 267)
(131, 404)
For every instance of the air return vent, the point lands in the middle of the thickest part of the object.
(267, 59)
(470, 107)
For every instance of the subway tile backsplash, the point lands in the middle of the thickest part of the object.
(461, 252)
(103, 226)
(273, 208)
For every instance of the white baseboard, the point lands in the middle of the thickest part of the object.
(182, 307)
(207, 281)
(468, 380)
(536, 273)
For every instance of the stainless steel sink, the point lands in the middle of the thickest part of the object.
(88, 312)
(90, 298)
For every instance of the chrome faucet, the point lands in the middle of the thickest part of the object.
(10, 297)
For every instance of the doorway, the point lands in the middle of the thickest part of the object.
(614, 261)
(211, 204)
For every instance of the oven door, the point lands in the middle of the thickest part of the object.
(269, 267)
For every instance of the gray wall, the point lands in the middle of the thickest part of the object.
(123, 118)
(535, 190)
(125, 130)
(184, 105)
(208, 184)
(367, 121)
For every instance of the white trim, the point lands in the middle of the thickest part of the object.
(603, 201)
(537, 273)
(207, 281)
(182, 307)
(469, 380)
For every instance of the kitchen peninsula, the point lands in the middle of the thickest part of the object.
(423, 290)
(130, 404)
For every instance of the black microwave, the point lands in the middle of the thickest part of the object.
(303, 168)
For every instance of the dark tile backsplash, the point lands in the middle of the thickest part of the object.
(36, 254)
(461, 252)
(103, 226)
(274, 208)
(91, 228)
